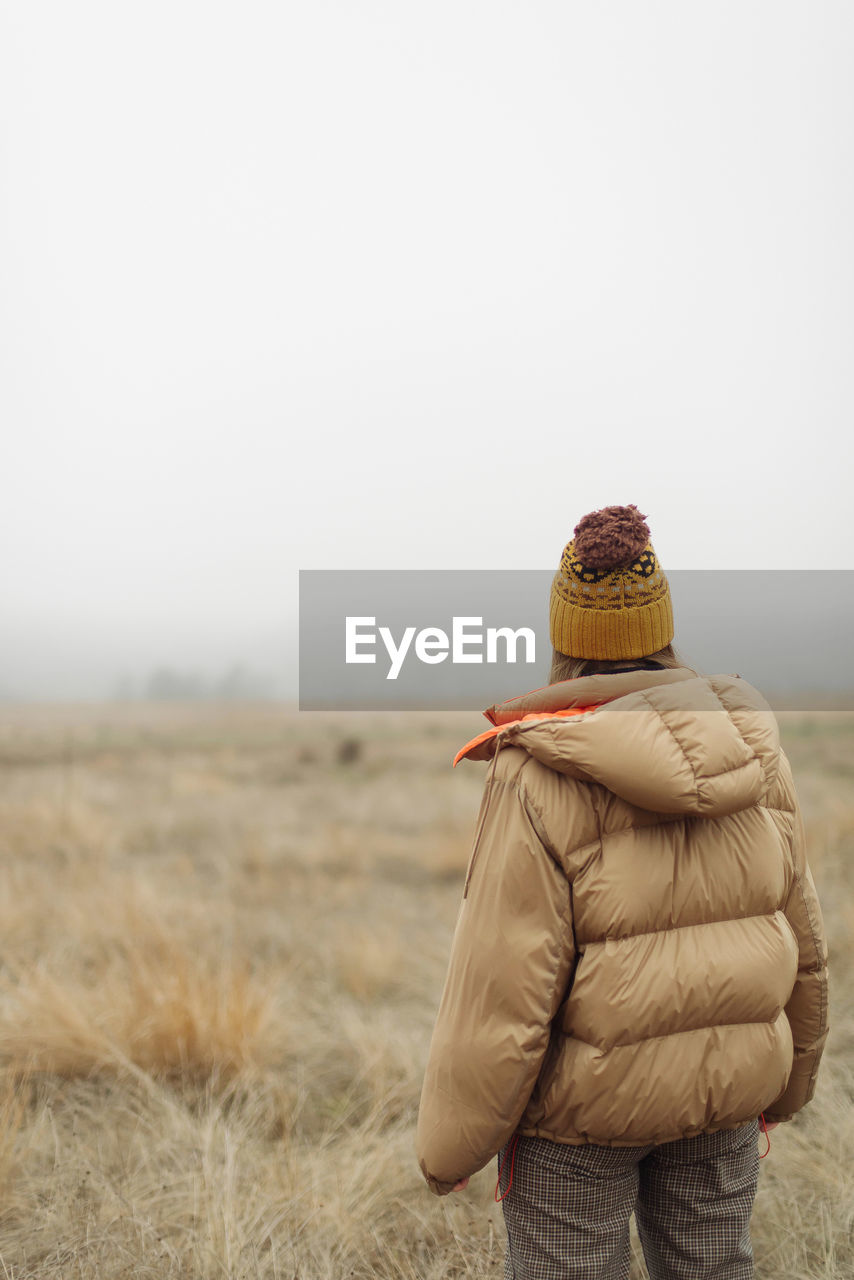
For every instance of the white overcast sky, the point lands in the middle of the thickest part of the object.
(361, 284)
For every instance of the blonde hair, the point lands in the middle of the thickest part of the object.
(567, 668)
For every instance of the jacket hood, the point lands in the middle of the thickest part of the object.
(671, 741)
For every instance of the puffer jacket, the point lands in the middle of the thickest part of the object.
(639, 954)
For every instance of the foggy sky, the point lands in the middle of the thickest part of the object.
(377, 285)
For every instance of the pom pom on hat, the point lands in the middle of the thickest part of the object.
(611, 538)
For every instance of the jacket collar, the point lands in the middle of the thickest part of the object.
(584, 691)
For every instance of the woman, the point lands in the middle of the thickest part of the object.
(638, 973)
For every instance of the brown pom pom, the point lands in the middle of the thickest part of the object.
(610, 538)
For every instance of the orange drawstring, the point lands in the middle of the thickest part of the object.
(767, 1135)
(511, 1152)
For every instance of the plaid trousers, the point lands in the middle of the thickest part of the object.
(568, 1209)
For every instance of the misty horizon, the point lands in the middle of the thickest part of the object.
(401, 288)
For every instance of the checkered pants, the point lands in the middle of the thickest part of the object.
(568, 1209)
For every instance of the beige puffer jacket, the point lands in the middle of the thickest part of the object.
(639, 954)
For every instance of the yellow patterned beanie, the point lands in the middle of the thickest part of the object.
(610, 598)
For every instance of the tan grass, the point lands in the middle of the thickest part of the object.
(223, 942)
(153, 1002)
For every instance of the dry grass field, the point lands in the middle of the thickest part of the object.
(224, 934)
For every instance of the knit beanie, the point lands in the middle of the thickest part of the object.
(610, 598)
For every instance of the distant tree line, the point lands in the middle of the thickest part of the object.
(170, 684)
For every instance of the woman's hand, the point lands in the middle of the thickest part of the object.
(771, 1124)
(461, 1185)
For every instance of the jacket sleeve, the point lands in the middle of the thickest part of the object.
(510, 962)
(807, 1005)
